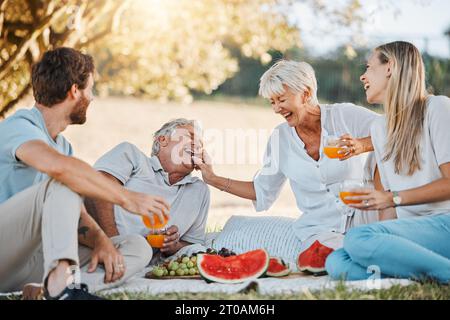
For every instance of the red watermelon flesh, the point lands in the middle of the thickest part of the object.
(313, 259)
(233, 269)
(277, 268)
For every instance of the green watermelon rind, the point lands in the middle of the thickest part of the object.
(208, 278)
(283, 273)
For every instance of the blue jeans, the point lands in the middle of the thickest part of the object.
(414, 248)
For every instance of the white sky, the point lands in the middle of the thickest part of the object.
(387, 20)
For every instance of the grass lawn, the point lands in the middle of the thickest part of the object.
(417, 291)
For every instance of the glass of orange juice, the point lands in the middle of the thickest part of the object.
(331, 147)
(157, 230)
(350, 188)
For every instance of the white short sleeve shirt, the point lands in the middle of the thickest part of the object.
(435, 151)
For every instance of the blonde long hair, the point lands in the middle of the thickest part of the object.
(405, 105)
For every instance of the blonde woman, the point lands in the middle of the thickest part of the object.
(295, 153)
(412, 148)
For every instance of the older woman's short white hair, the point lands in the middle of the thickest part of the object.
(298, 76)
(169, 128)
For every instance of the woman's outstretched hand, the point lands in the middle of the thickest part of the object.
(204, 164)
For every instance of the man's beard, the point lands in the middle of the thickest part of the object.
(78, 114)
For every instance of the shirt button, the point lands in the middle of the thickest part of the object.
(328, 190)
(317, 166)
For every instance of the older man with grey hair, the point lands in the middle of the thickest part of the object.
(166, 173)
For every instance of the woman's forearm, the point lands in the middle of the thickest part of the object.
(384, 214)
(438, 190)
(243, 189)
(366, 143)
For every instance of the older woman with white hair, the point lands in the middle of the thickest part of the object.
(295, 153)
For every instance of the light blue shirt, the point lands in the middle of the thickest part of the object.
(23, 126)
(315, 184)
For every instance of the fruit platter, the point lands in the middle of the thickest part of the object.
(223, 266)
(183, 267)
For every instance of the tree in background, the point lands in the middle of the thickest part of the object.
(30, 27)
(162, 49)
(173, 47)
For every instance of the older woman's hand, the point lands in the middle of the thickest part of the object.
(353, 146)
(204, 164)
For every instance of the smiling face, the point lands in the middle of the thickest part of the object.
(291, 106)
(376, 78)
(177, 150)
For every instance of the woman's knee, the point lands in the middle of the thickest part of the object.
(356, 241)
(336, 264)
(361, 241)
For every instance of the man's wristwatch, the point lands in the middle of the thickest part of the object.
(396, 198)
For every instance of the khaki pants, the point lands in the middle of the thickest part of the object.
(335, 240)
(38, 227)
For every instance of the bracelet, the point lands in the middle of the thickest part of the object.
(228, 186)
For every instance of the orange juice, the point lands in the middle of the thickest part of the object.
(155, 240)
(158, 224)
(344, 194)
(332, 152)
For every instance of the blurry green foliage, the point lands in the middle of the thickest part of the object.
(161, 49)
(337, 74)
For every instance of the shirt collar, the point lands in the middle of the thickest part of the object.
(157, 167)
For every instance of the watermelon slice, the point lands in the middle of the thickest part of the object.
(233, 269)
(277, 268)
(312, 260)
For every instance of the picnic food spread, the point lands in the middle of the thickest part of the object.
(223, 266)
(185, 266)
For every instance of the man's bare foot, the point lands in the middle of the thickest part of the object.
(59, 278)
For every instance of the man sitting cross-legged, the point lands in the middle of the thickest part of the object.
(41, 189)
(167, 173)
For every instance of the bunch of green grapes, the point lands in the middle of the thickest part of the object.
(183, 266)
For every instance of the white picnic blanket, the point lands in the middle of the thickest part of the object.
(266, 286)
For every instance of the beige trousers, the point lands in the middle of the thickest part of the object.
(38, 227)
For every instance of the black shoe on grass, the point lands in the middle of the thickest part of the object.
(78, 292)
